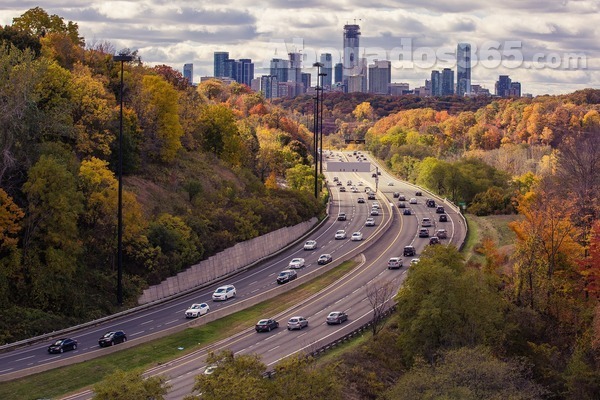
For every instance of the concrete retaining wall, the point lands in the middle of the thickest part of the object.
(227, 262)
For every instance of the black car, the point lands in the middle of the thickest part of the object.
(418, 194)
(409, 251)
(324, 259)
(443, 218)
(112, 338)
(62, 345)
(406, 211)
(423, 233)
(396, 195)
(430, 203)
(434, 240)
(401, 204)
(440, 210)
(402, 198)
(265, 325)
(286, 276)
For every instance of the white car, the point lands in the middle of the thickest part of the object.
(375, 205)
(340, 234)
(370, 222)
(356, 236)
(374, 211)
(425, 222)
(310, 245)
(413, 200)
(415, 261)
(296, 263)
(197, 310)
(223, 293)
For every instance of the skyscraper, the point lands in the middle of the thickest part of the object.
(380, 76)
(463, 69)
(295, 74)
(230, 69)
(188, 73)
(447, 82)
(306, 77)
(245, 72)
(503, 85)
(436, 83)
(280, 68)
(327, 68)
(351, 50)
(338, 74)
(219, 63)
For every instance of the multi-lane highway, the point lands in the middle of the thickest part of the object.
(386, 239)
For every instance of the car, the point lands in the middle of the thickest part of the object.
(430, 203)
(370, 222)
(409, 251)
(338, 183)
(336, 317)
(266, 325)
(423, 232)
(441, 233)
(440, 210)
(390, 183)
(396, 195)
(335, 179)
(342, 189)
(443, 218)
(354, 189)
(286, 276)
(297, 323)
(324, 259)
(418, 193)
(407, 211)
(310, 245)
(378, 172)
(374, 175)
(374, 211)
(426, 222)
(415, 261)
(341, 216)
(434, 240)
(412, 200)
(361, 200)
(367, 189)
(210, 369)
(340, 234)
(197, 310)
(111, 338)
(401, 204)
(62, 345)
(360, 183)
(401, 197)
(223, 293)
(349, 183)
(371, 196)
(296, 263)
(356, 237)
(375, 204)
(394, 263)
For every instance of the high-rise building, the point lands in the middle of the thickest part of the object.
(338, 75)
(515, 89)
(230, 69)
(447, 82)
(503, 86)
(268, 86)
(436, 83)
(380, 76)
(463, 69)
(188, 73)
(281, 69)
(295, 74)
(245, 72)
(327, 68)
(219, 63)
(351, 50)
(306, 77)
(398, 89)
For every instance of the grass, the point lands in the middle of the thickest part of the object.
(494, 227)
(61, 381)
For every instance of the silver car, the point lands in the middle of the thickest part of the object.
(297, 323)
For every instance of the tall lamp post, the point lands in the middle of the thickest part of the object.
(321, 75)
(316, 134)
(122, 58)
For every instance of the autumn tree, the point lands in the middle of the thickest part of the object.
(217, 128)
(11, 216)
(131, 385)
(364, 111)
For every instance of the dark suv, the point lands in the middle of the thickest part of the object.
(409, 251)
(112, 338)
(430, 203)
(286, 276)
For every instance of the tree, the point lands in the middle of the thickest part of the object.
(10, 255)
(379, 294)
(298, 377)
(442, 304)
(364, 112)
(217, 125)
(131, 385)
(467, 374)
(37, 22)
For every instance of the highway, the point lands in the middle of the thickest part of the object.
(392, 232)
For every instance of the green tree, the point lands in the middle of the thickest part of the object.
(122, 385)
(467, 374)
(52, 243)
(217, 127)
(298, 377)
(301, 177)
(37, 22)
(443, 304)
(176, 240)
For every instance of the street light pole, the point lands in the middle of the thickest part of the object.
(316, 134)
(321, 75)
(120, 58)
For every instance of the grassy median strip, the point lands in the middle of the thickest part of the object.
(61, 381)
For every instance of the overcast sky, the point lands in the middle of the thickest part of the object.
(550, 46)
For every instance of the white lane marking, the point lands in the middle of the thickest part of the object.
(6, 370)
(171, 322)
(252, 283)
(274, 348)
(24, 358)
(137, 333)
(147, 322)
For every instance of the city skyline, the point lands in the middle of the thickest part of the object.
(181, 33)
